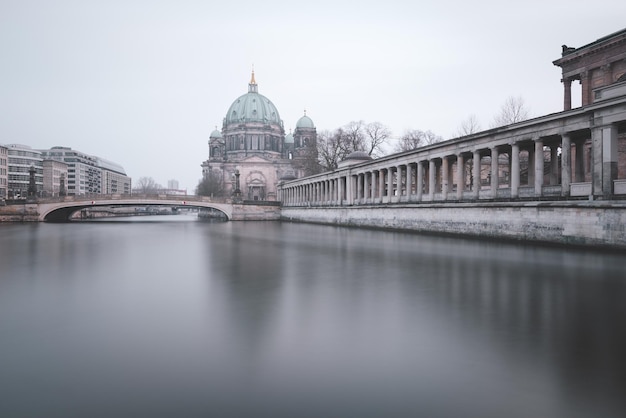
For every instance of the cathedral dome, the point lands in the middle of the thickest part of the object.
(289, 138)
(305, 122)
(252, 107)
(215, 134)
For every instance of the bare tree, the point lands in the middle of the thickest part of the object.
(210, 185)
(147, 185)
(331, 148)
(469, 126)
(353, 137)
(415, 138)
(376, 135)
(513, 110)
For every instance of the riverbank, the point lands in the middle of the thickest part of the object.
(581, 223)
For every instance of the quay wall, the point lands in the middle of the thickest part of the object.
(584, 223)
(256, 212)
(19, 213)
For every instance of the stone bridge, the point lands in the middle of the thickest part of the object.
(61, 209)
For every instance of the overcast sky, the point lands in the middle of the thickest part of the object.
(144, 82)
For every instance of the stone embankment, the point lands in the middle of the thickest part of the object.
(583, 223)
(26, 212)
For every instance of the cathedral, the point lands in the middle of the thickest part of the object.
(252, 154)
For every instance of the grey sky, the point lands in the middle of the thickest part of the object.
(143, 83)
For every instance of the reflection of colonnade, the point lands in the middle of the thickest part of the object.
(569, 155)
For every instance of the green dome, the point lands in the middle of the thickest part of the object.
(216, 134)
(253, 107)
(289, 139)
(305, 122)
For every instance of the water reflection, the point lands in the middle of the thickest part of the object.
(269, 319)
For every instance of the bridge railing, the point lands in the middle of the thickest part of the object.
(138, 196)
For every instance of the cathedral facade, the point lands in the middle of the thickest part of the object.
(252, 154)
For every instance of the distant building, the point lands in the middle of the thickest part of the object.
(172, 184)
(20, 160)
(4, 171)
(87, 174)
(54, 178)
(252, 148)
(114, 178)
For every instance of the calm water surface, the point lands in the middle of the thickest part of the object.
(171, 317)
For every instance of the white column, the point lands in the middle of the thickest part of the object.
(409, 181)
(389, 184)
(515, 173)
(566, 164)
(460, 176)
(419, 187)
(381, 186)
(609, 159)
(476, 174)
(399, 183)
(495, 181)
(538, 166)
(431, 178)
(444, 178)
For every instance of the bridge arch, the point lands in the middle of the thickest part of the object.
(61, 211)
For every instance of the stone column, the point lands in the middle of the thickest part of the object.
(340, 191)
(419, 187)
(567, 93)
(389, 185)
(495, 172)
(329, 193)
(359, 188)
(538, 166)
(515, 170)
(431, 179)
(460, 176)
(476, 174)
(608, 167)
(381, 185)
(409, 181)
(444, 178)
(399, 188)
(566, 164)
(374, 185)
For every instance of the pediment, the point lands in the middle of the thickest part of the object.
(255, 159)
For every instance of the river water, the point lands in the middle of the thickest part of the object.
(174, 317)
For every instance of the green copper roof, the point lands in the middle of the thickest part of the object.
(253, 107)
(305, 122)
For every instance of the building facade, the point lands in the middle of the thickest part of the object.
(4, 172)
(20, 160)
(251, 154)
(114, 178)
(54, 178)
(595, 65)
(87, 174)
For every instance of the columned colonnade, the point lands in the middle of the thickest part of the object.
(533, 160)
